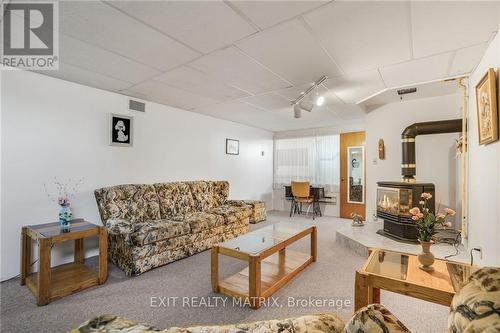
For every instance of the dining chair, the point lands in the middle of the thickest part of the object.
(301, 194)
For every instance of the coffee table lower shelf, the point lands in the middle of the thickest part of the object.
(275, 271)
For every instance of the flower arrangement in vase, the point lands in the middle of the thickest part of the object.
(65, 192)
(426, 223)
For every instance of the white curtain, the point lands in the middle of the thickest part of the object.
(314, 159)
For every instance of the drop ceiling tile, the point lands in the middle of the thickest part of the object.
(243, 113)
(465, 60)
(290, 51)
(94, 59)
(350, 112)
(203, 25)
(164, 94)
(444, 26)
(192, 80)
(233, 67)
(268, 13)
(99, 24)
(268, 102)
(415, 71)
(363, 35)
(355, 87)
(78, 75)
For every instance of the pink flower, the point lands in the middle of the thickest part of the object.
(440, 216)
(447, 224)
(420, 215)
(414, 217)
(449, 211)
(426, 196)
(414, 211)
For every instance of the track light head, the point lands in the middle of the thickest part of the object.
(320, 100)
(297, 111)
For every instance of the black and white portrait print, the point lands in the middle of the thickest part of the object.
(121, 130)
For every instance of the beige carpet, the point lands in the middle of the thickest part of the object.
(330, 278)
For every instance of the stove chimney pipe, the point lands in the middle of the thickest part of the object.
(408, 166)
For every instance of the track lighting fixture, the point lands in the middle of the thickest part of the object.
(300, 104)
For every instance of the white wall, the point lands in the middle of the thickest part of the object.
(484, 173)
(53, 128)
(435, 154)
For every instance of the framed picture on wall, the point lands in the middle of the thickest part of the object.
(232, 147)
(121, 130)
(487, 110)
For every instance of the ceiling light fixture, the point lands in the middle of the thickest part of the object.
(320, 100)
(298, 105)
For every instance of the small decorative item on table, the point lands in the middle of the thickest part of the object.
(357, 220)
(65, 214)
(65, 192)
(426, 223)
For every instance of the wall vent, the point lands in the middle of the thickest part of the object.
(407, 91)
(134, 105)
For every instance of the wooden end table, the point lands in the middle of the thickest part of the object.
(51, 283)
(398, 272)
(270, 264)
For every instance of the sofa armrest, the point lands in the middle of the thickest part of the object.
(317, 323)
(119, 227)
(240, 203)
(374, 318)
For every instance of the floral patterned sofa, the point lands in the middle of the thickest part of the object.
(150, 225)
(474, 309)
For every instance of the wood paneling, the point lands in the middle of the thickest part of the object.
(349, 140)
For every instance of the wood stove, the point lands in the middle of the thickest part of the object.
(394, 201)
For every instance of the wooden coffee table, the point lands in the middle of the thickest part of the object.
(398, 272)
(51, 283)
(270, 264)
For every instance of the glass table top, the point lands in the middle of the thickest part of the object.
(53, 229)
(447, 275)
(262, 239)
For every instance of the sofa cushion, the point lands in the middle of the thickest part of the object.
(220, 190)
(156, 230)
(174, 199)
(474, 307)
(135, 203)
(202, 195)
(374, 318)
(199, 221)
(318, 323)
(208, 194)
(232, 214)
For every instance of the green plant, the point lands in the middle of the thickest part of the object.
(425, 221)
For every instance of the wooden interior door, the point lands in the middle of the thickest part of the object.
(354, 139)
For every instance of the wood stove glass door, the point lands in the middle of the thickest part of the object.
(356, 174)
